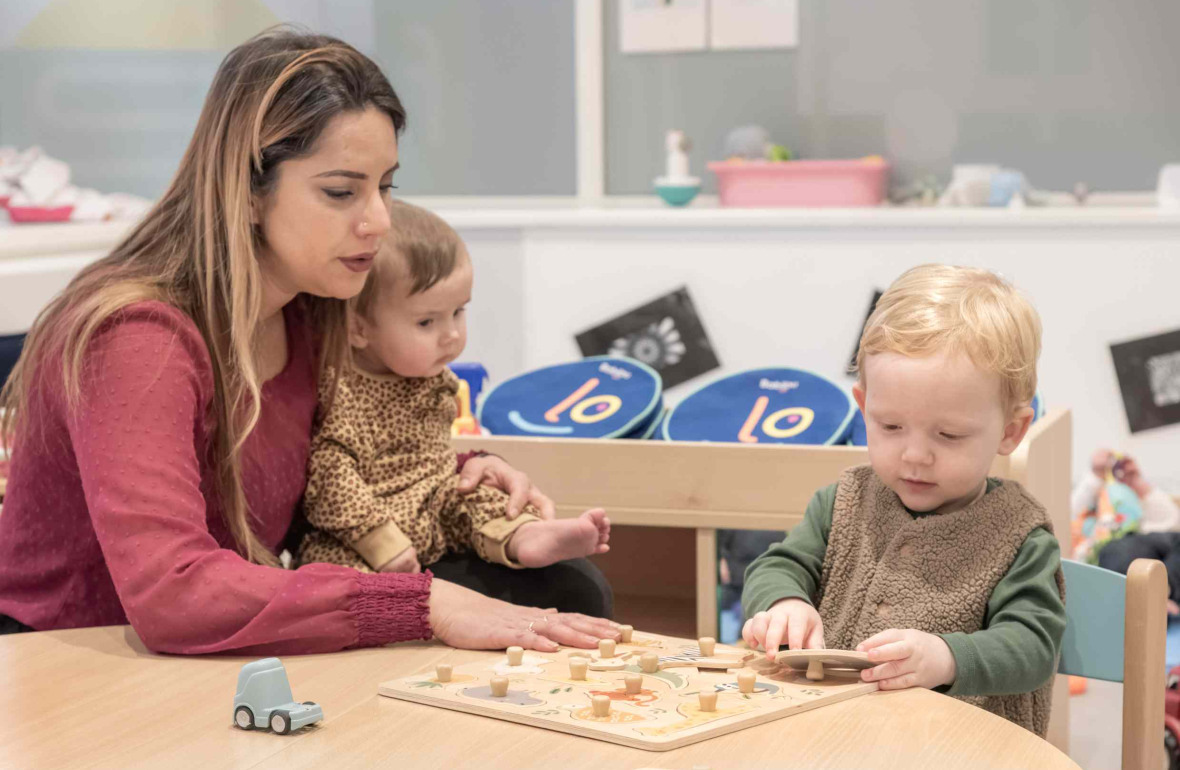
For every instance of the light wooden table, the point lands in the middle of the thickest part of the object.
(96, 698)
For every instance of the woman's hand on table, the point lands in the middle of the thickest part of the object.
(495, 472)
(463, 618)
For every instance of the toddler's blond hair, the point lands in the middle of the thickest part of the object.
(937, 308)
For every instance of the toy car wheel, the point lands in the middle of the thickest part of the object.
(244, 717)
(280, 722)
(308, 703)
(1171, 750)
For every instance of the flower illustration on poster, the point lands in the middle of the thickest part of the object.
(666, 334)
(659, 345)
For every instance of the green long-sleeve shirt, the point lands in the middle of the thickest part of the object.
(1016, 651)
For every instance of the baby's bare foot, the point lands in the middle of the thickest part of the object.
(541, 543)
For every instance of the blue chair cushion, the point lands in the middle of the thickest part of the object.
(1095, 611)
(773, 405)
(597, 397)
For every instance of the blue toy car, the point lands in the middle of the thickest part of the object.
(264, 699)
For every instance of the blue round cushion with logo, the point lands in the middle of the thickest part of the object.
(647, 428)
(768, 406)
(597, 397)
(1038, 406)
(859, 435)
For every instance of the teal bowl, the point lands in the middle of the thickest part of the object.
(677, 194)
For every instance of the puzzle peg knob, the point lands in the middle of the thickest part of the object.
(515, 656)
(606, 648)
(649, 662)
(578, 668)
(708, 700)
(815, 670)
(442, 672)
(707, 645)
(601, 705)
(746, 681)
(499, 686)
(625, 634)
(634, 683)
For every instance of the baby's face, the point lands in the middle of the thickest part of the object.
(418, 335)
(935, 425)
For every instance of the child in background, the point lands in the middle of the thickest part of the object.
(382, 489)
(948, 579)
(1155, 536)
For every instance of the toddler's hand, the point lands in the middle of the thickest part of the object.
(792, 620)
(406, 561)
(912, 659)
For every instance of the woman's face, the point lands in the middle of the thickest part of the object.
(328, 210)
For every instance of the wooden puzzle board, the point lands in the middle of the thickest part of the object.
(664, 715)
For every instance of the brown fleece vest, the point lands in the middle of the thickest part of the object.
(885, 568)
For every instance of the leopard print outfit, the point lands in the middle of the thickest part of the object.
(382, 477)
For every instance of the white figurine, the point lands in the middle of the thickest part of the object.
(677, 187)
(677, 145)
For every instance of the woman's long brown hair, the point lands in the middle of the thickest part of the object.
(198, 250)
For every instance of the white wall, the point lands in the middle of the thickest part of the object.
(786, 287)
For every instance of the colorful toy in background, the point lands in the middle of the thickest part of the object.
(1115, 515)
(775, 405)
(758, 172)
(597, 397)
(746, 143)
(473, 379)
(677, 187)
(263, 699)
(465, 423)
(987, 185)
(36, 188)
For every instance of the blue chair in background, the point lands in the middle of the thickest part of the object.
(1115, 631)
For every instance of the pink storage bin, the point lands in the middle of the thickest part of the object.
(40, 213)
(765, 183)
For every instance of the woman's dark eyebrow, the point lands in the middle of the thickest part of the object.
(354, 174)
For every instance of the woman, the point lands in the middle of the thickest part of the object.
(162, 408)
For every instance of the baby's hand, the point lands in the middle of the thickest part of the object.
(406, 561)
(791, 620)
(914, 659)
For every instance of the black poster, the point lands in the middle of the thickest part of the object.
(666, 334)
(1149, 378)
